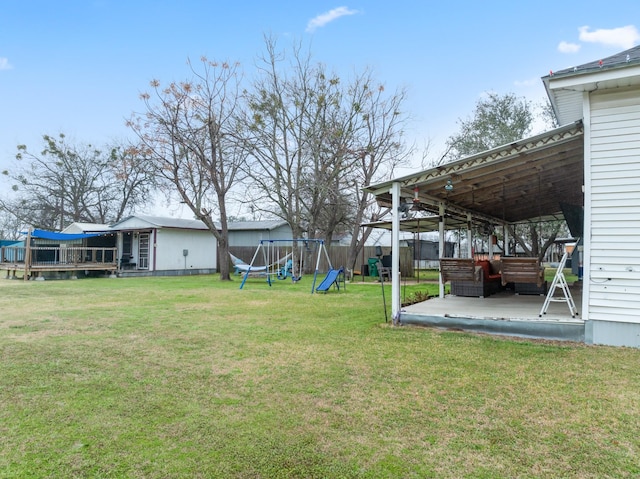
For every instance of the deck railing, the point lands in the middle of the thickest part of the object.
(12, 254)
(58, 257)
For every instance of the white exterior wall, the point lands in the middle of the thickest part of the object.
(613, 203)
(169, 244)
(253, 237)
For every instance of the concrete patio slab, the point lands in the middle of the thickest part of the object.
(503, 313)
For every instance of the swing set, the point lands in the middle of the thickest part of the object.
(277, 259)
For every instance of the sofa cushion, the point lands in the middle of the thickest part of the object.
(489, 275)
(486, 267)
(495, 266)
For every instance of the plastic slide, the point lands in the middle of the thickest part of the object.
(331, 278)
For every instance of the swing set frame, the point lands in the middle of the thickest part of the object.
(271, 256)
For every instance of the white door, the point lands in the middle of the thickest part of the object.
(143, 251)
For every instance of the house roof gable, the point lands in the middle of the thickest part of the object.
(265, 225)
(566, 88)
(619, 60)
(80, 227)
(146, 221)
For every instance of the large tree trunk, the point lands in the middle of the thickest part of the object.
(222, 236)
(224, 262)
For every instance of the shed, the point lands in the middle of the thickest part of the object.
(153, 245)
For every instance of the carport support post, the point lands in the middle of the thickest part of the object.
(506, 240)
(27, 257)
(441, 243)
(469, 233)
(395, 252)
(490, 243)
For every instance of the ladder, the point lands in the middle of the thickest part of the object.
(559, 281)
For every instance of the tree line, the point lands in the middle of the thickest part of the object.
(296, 142)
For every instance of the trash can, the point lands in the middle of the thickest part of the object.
(365, 270)
(373, 266)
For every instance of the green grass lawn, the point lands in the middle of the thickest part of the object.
(191, 377)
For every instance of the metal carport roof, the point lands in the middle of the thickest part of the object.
(525, 180)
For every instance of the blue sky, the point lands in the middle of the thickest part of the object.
(78, 67)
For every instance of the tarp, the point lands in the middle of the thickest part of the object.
(52, 235)
(11, 243)
(574, 216)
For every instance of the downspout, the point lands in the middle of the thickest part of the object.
(586, 227)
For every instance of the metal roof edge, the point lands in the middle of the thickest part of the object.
(592, 76)
(471, 158)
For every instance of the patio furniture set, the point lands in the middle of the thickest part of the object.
(481, 278)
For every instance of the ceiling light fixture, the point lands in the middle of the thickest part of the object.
(449, 185)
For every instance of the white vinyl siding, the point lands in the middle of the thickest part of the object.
(614, 276)
(569, 106)
(201, 249)
(252, 237)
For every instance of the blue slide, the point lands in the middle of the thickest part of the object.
(332, 277)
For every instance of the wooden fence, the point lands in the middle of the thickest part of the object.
(337, 254)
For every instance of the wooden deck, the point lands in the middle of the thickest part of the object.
(37, 260)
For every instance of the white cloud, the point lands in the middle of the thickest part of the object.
(527, 83)
(4, 64)
(624, 37)
(324, 18)
(566, 47)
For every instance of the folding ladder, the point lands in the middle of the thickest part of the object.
(559, 281)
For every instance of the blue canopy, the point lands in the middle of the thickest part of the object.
(52, 235)
(11, 243)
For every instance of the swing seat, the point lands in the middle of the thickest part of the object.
(521, 270)
(240, 267)
(286, 270)
(470, 278)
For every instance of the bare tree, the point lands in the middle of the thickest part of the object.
(530, 236)
(68, 182)
(189, 137)
(281, 123)
(133, 185)
(380, 147)
(278, 136)
(11, 226)
(316, 141)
